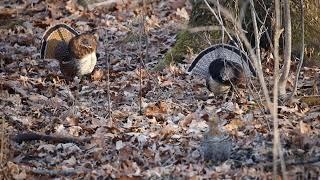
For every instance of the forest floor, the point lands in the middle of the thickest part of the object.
(165, 141)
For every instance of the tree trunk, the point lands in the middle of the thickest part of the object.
(287, 49)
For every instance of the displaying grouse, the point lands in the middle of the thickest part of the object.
(75, 52)
(223, 66)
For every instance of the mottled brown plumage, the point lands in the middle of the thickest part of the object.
(75, 52)
(83, 45)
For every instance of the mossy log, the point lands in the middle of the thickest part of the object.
(311, 100)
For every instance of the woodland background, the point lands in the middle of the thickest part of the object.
(165, 141)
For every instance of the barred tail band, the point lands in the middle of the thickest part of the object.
(52, 37)
(200, 66)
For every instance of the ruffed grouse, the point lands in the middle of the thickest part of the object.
(223, 66)
(75, 52)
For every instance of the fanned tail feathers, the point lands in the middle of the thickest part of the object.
(200, 65)
(53, 36)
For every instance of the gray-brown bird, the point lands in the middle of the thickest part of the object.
(75, 52)
(216, 145)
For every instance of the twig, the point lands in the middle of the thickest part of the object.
(257, 37)
(2, 148)
(221, 24)
(256, 32)
(140, 83)
(204, 28)
(217, 17)
(108, 83)
(264, 22)
(141, 33)
(108, 3)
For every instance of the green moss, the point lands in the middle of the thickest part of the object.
(10, 23)
(187, 43)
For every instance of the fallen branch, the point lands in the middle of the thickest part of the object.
(67, 172)
(294, 162)
(31, 136)
(106, 4)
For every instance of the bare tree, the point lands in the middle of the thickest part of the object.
(301, 53)
(287, 49)
(276, 136)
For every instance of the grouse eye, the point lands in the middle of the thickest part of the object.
(86, 43)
